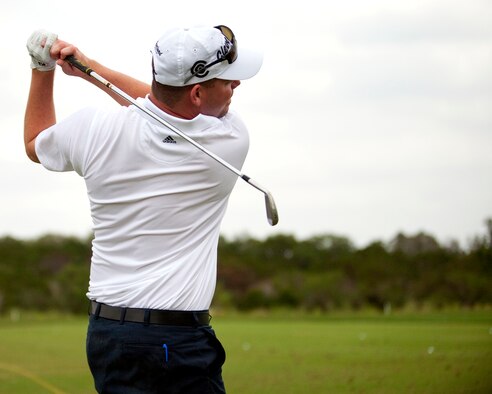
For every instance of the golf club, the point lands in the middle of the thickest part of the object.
(271, 209)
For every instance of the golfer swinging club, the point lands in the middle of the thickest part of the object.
(156, 202)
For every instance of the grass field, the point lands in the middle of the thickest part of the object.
(353, 353)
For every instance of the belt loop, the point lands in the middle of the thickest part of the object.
(98, 310)
(197, 319)
(147, 317)
(122, 315)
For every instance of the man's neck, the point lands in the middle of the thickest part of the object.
(176, 112)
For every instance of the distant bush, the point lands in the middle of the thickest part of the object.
(325, 272)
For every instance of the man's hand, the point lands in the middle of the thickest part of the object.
(39, 46)
(61, 50)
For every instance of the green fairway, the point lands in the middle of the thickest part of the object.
(436, 353)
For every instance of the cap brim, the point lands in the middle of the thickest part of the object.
(247, 65)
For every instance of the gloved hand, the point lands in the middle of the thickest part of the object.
(39, 46)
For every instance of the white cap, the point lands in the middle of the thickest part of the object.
(180, 50)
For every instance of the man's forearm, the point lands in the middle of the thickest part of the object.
(129, 85)
(135, 88)
(40, 109)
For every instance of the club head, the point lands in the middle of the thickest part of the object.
(271, 209)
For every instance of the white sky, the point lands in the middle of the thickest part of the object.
(367, 118)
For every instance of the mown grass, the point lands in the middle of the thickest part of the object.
(282, 353)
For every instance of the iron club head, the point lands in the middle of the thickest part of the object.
(271, 209)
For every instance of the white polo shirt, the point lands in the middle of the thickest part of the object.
(156, 201)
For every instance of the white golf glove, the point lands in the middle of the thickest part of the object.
(39, 46)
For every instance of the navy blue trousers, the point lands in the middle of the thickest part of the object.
(137, 358)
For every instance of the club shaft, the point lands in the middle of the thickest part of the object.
(271, 208)
(132, 101)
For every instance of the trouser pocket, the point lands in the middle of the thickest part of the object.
(216, 365)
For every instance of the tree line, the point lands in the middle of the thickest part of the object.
(325, 272)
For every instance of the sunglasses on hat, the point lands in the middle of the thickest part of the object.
(228, 52)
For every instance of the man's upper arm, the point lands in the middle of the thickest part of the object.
(61, 147)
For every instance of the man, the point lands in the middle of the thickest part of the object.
(156, 203)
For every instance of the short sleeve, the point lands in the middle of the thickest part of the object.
(61, 147)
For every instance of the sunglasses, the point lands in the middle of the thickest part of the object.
(227, 52)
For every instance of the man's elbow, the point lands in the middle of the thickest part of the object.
(31, 152)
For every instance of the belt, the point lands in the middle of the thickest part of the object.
(150, 316)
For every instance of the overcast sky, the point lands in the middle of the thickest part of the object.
(367, 119)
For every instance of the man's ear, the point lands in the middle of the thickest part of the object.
(196, 95)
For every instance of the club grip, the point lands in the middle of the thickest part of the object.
(77, 64)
